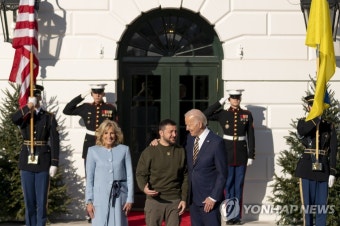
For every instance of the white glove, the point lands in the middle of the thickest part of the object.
(85, 94)
(250, 162)
(223, 100)
(53, 171)
(331, 181)
(32, 100)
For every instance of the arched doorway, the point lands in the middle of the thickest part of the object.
(169, 63)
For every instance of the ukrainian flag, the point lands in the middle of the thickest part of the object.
(319, 35)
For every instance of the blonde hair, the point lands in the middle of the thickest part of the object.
(104, 126)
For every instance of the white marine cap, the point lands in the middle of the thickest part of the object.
(235, 92)
(98, 86)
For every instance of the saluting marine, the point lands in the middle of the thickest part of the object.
(37, 165)
(239, 139)
(93, 114)
(316, 166)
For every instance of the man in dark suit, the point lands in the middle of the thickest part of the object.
(316, 167)
(39, 163)
(207, 167)
(239, 139)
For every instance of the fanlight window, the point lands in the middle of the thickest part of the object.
(170, 34)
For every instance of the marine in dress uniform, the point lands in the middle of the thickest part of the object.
(93, 114)
(239, 139)
(316, 166)
(35, 172)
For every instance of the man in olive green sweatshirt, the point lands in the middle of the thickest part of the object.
(162, 175)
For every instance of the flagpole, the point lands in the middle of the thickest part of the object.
(32, 111)
(317, 128)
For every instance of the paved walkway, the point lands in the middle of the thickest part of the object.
(84, 223)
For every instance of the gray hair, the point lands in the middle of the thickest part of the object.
(198, 115)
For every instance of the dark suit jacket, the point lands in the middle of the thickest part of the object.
(209, 174)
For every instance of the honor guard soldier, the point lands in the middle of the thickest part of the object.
(239, 139)
(316, 166)
(93, 114)
(37, 164)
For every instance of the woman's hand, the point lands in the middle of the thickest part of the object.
(90, 210)
(127, 208)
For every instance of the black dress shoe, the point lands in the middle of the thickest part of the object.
(238, 222)
(230, 222)
(88, 218)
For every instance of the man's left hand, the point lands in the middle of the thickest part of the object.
(208, 204)
(250, 162)
(53, 171)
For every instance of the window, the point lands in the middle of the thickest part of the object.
(170, 33)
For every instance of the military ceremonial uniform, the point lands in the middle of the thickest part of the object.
(46, 139)
(314, 180)
(35, 175)
(239, 140)
(93, 115)
(238, 130)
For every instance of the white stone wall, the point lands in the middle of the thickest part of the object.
(273, 69)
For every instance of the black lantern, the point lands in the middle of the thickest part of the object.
(334, 6)
(8, 13)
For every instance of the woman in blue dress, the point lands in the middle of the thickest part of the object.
(109, 177)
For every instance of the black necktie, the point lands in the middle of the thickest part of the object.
(196, 149)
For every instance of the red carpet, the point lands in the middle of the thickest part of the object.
(137, 219)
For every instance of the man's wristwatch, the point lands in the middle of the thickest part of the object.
(89, 202)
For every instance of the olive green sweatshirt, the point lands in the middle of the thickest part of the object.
(164, 168)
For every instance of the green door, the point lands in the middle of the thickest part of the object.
(149, 94)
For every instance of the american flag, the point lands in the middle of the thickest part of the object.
(25, 41)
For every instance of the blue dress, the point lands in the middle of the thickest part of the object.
(105, 168)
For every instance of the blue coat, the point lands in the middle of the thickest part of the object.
(103, 167)
(209, 175)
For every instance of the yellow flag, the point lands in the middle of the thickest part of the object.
(319, 35)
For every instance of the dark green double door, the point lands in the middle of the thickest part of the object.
(149, 94)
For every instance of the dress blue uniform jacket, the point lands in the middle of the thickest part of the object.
(235, 123)
(209, 174)
(327, 142)
(93, 115)
(45, 130)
